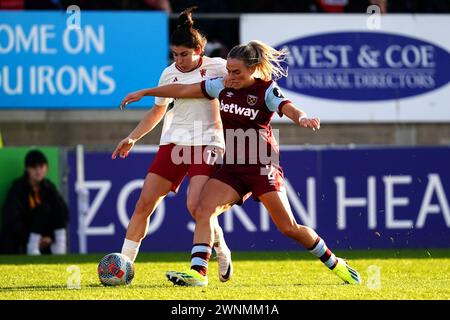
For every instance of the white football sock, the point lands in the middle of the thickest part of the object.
(33, 244)
(60, 244)
(130, 249)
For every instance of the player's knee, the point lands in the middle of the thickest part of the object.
(192, 206)
(203, 213)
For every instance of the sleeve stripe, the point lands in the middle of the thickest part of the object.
(204, 91)
(280, 107)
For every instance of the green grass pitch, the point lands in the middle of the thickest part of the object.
(403, 274)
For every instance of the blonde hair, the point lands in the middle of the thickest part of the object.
(266, 59)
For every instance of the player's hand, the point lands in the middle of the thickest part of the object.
(131, 97)
(45, 242)
(123, 148)
(226, 82)
(313, 123)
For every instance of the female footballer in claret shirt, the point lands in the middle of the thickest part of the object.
(191, 126)
(248, 105)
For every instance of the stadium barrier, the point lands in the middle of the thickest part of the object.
(356, 198)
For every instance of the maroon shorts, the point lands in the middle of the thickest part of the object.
(173, 162)
(257, 179)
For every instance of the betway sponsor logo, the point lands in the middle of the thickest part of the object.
(234, 108)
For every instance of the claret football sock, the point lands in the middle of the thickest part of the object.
(321, 251)
(200, 255)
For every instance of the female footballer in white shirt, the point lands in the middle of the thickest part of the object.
(188, 128)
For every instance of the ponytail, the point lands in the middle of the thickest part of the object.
(185, 34)
(266, 59)
(185, 19)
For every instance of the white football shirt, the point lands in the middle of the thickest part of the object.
(193, 122)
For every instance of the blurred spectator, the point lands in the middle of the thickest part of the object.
(212, 6)
(400, 6)
(34, 214)
(331, 6)
(215, 48)
(12, 4)
(95, 4)
(360, 6)
(238, 6)
(420, 6)
(163, 5)
(43, 4)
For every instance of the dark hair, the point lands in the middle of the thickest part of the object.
(185, 34)
(35, 158)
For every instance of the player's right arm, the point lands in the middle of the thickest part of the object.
(208, 88)
(167, 91)
(150, 120)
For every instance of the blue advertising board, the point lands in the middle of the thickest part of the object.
(363, 198)
(48, 61)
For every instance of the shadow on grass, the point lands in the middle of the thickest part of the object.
(162, 257)
(34, 288)
(64, 287)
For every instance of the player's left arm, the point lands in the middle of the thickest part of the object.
(276, 102)
(299, 116)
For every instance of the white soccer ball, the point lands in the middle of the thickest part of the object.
(115, 269)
